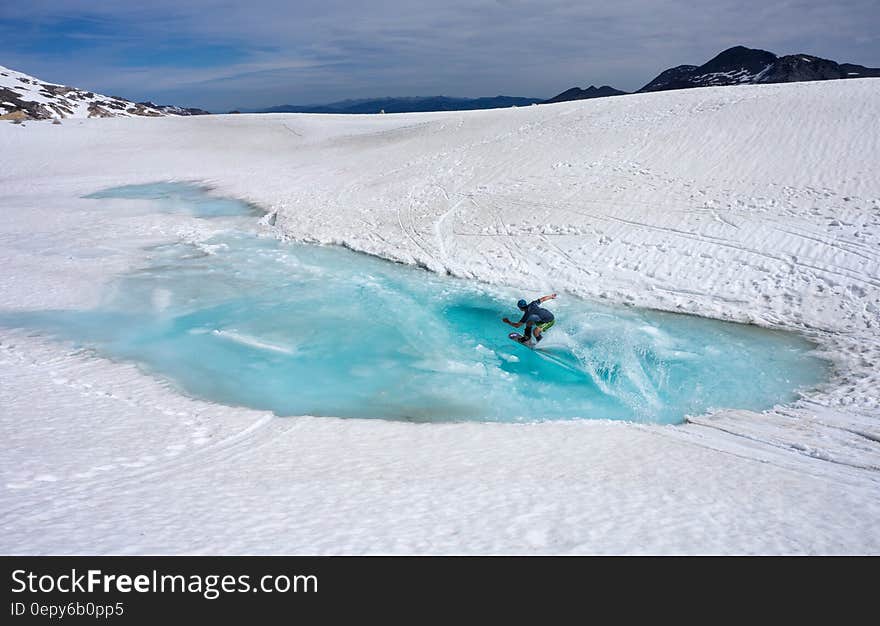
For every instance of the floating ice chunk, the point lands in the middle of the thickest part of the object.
(484, 350)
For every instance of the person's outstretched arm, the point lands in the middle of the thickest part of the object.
(514, 324)
(552, 296)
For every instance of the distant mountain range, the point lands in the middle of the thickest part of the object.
(24, 97)
(403, 105)
(576, 93)
(740, 65)
(736, 66)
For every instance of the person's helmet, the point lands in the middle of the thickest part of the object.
(522, 304)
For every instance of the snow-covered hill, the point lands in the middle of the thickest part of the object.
(756, 203)
(25, 97)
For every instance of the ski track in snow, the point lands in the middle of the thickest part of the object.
(756, 204)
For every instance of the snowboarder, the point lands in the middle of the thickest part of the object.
(536, 318)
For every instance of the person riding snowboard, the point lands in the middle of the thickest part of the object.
(534, 317)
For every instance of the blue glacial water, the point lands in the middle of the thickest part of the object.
(179, 198)
(301, 329)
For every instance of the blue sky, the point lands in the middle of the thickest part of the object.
(222, 54)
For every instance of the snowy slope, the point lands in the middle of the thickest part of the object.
(757, 203)
(25, 97)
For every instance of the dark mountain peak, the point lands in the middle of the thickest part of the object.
(604, 90)
(732, 66)
(740, 65)
(678, 77)
(851, 70)
(738, 57)
(799, 67)
(576, 93)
